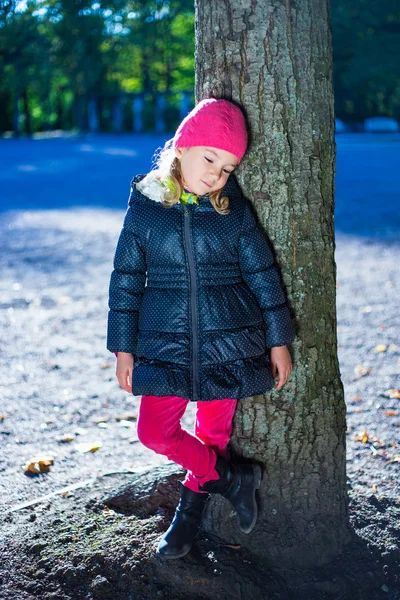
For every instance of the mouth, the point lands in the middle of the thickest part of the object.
(206, 184)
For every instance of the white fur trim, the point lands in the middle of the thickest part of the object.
(151, 187)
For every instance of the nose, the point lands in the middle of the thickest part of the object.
(214, 173)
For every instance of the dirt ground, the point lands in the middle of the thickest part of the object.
(59, 392)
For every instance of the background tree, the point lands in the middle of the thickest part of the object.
(275, 59)
(366, 57)
(73, 49)
(78, 49)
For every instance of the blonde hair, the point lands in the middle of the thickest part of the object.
(167, 164)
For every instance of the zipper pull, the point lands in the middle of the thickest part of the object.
(185, 212)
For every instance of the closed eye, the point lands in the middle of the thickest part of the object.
(210, 161)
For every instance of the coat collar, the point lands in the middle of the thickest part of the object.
(151, 186)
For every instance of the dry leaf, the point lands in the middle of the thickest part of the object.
(391, 413)
(374, 488)
(360, 371)
(67, 437)
(395, 458)
(357, 398)
(126, 417)
(392, 393)
(100, 419)
(39, 464)
(106, 365)
(380, 348)
(362, 437)
(379, 441)
(237, 547)
(1, 418)
(88, 446)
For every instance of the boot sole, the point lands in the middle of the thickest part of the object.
(257, 483)
(172, 556)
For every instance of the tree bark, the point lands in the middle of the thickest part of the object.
(275, 59)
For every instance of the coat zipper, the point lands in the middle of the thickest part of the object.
(193, 300)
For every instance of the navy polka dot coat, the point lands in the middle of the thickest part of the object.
(196, 297)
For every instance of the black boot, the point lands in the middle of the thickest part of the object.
(177, 540)
(238, 484)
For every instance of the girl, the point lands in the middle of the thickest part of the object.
(197, 312)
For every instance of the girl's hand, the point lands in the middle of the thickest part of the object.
(281, 361)
(124, 370)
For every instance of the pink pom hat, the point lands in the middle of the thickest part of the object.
(214, 122)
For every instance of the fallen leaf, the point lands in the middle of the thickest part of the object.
(357, 398)
(395, 458)
(88, 446)
(379, 441)
(362, 437)
(380, 348)
(234, 547)
(39, 464)
(361, 371)
(391, 413)
(106, 365)
(392, 393)
(126, 417)
(67, 437)
(1, 418)
(374, 488)
(102, 419)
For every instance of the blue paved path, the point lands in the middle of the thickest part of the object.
(96, 170)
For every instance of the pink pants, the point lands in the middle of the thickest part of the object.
(159, 428)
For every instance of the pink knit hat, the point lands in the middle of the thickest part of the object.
(214, 122)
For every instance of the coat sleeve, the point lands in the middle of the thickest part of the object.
(126, 289)
(260, 272)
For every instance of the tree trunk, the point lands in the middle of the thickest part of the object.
(275, 59)
(27, 113)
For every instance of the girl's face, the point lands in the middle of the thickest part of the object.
(205, 169)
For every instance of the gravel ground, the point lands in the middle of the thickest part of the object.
(59, 391)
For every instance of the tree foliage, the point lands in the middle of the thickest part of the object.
(56, 54)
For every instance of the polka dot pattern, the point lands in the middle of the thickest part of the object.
(196, 298)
